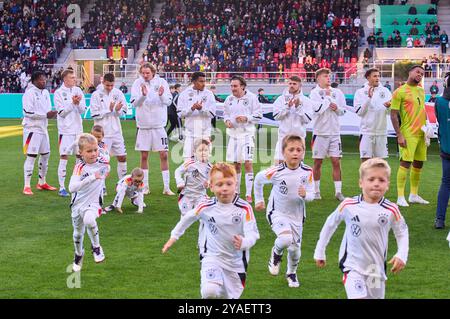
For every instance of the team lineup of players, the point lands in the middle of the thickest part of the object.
(228, 228)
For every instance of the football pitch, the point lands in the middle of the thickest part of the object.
(36, 246)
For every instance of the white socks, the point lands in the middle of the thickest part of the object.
(78, 236)
(62, 172)
(93, 235)
(293, 259)
(28, 167)
(338, 187)
(43, 166)
(145, 177)
(248, 184)
(166, 179)
(317, 186)
(121, 169)
(238, 185)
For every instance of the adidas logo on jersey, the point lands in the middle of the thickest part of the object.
(212, 220)
(283, 188)
(355, 219)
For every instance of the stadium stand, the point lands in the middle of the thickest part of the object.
(114, 23)
(32, 35)
(240, 36)
(397, 19)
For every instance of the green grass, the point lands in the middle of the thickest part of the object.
(36, 238)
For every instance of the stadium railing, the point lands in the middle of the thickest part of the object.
(131, 71)
(387, 69)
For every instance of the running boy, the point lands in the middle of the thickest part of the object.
(230, 233)
(192, 177)
(368, 218)
(86, 185)
(293, 186)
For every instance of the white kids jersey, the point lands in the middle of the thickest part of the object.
(365, 242)
(126, 184)
(101, 113)
(151, 110)
(248, 106)
(197, 122)
(284, 198)
(35, 105)
(87, 191)
(326, 121)
(372, 110)
(292, 120)
(193, 175)
(69, 114)
(221, 223)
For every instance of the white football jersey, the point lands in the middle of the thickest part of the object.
(221, 223)
(193, 175)
(35, 106)
(365, 242)
(326, 121)
(151, 110)
(125, 184)
(85, 188)
(248, 106)
(101, 113)
(69, 114)
(372, 111)
(197, 122)
(292, 120)
(284, 198)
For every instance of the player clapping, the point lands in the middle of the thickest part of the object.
(293, 112)
(372, 104)
(70, 104)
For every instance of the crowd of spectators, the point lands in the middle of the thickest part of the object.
(436, 66)
(115, 23)
(430, 37)
(253, 36)
(32, 34)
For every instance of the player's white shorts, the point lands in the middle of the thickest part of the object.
(35, 143)
(278, 152)
(151, 139)
(282, 224)
(240, 149)
(189, 142)
(79, 214)
(326, 146)
(373, 146)
(217, 282)
(188, 203)
(67, 144)
(358, 286)
(115, 145)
